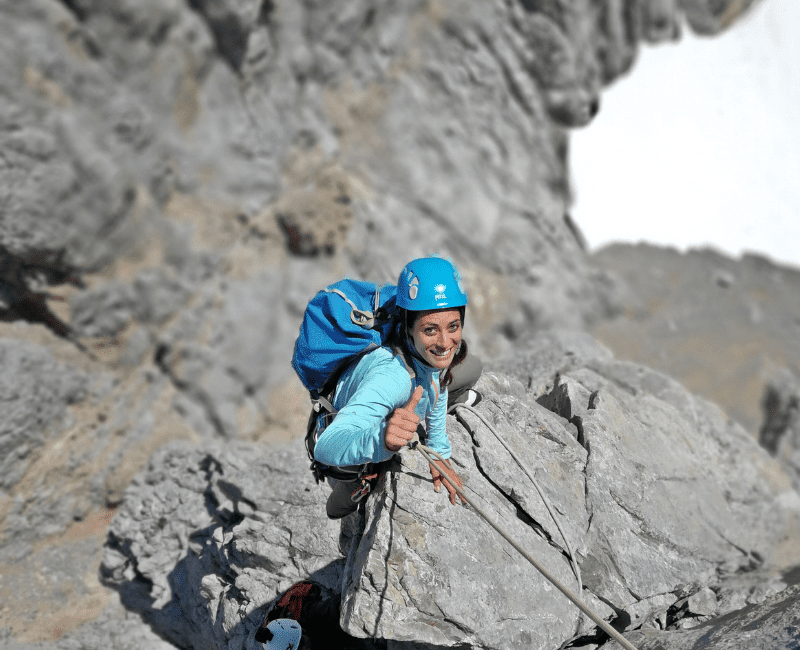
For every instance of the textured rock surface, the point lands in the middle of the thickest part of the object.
(205, 539)
(770, 624)
(79, 435)
(208, 536)
(109, 627)
(177, 178)
(725, 328)
(34, 393)
(428, 573)
(780, 431)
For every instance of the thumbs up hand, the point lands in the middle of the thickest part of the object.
(403, 423)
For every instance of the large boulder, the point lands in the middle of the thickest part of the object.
(659, 493)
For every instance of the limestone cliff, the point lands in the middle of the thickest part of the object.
(178, 177)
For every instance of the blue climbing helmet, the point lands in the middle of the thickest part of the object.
(430, 283)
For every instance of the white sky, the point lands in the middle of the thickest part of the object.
(700, 144)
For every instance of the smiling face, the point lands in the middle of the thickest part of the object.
(437, 334)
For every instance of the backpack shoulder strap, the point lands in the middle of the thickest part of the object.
(322, 404)
(405, 357)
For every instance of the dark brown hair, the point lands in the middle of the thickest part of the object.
(447, 377)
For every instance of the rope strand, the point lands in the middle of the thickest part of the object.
(572, 556)
(427, 452)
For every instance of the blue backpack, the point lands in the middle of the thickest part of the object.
(341, 323)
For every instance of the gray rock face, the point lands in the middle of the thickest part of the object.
(206, 538)
(184, 176)
(34, 393)
(725, 328)
(115, 627)
(622, 453)
(770, 624)
(62, 188)
(72, 437)
(270, 131)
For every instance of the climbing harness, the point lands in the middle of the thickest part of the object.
(429, 455)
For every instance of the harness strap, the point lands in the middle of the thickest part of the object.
(323, 403)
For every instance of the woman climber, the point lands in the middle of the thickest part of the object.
(380, 405)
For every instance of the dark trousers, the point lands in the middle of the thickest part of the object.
(340, 504)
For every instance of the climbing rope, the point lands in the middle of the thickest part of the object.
(429, 454)
(572, 556)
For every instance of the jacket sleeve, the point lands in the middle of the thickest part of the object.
(437, 431)
(372, 392)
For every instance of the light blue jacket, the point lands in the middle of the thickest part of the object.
(366, 395)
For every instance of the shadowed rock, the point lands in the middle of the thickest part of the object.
(770, 624)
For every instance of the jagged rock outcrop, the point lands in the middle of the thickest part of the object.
(663, 497)
(770, 624)
(177, 178)
(176, 558)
